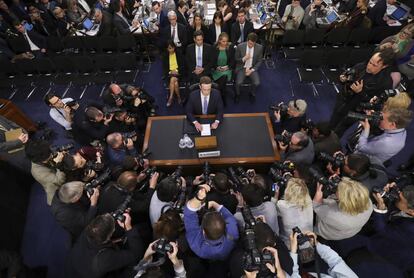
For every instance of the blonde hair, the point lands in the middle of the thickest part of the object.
(297, 193)
(353, 197)
(402, 100)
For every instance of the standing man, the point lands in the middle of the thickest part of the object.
(206, 101)
(249, 56)
(60, 112)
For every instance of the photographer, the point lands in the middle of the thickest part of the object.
(95, 255)
(325, 139)
(295, 209)
(337, 266)
(220, 192)
(164, 197)
(358, 167)
(122, 122)
(252, 195)
(61, 110)
(361, 83)
(119, 147)
(90, 124)
(312, 12)
(394, 227)
(343, 217)
(83, 165)
(216, 236)
(292, 118)
(43, 167)
(299, 149)
(383, 147)
(73, 209)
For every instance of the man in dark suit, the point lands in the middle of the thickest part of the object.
(237, 36)
(198, 57)
(203, 102)
(121, 23)
(35, 42)
(175, 32)
(378, 11)
(104, 19)
(162, 19)
(181, 13)
(249, 56)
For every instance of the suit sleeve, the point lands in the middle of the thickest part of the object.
(189, 109)
(220, 108)
(259, 60)
(209, 62)
(238, 56)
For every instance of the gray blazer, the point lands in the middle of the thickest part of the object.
(257, 56)
(50, 179)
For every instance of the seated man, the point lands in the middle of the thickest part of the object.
(293, 119)
(94, 255)
(203, 102)
(90, 124)
(325, 139)
(241, 28)
(59, 111)
(44, 169)
(249, 56)
(216, 237)
(299, 150)
(174, 31)
(312, 12)
(378, 13)
(198, 57)
(104, 19)
(119, 147)
(383, 147)
(72, 208)
(122, 24)
(293, 15)
(35, 43)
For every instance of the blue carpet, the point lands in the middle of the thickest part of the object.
(46, 244)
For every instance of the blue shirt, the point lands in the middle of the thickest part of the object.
(210, 249)
(117, 156)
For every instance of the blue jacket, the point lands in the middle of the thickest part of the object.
(210, 249)
(116, 156)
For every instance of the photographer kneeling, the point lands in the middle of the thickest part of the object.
(119, 146)
(289, 117)
(296, 147)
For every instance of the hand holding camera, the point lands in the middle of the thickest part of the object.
(126, 224)
(94, 197)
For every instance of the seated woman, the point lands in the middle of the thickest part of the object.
(401, 42)
(344, 216)
(223, 58)
(197, 24)
(173, 69)
(216, 28)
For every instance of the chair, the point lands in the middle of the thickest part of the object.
(46, 71)
(314, 38)
(105, 65)
(292, 43)
(358, 37)
(73, 45)
(126, 43)
(335, 61)
(309, 69)
(358, 56)
(91, 44)
(108, 44)
(85, 69)
(126, 68)
(18, 45)
(337, 37)
(8, 75)
(28, 73)
(55, 45)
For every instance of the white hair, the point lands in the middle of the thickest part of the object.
(70, 192)
(171, 14)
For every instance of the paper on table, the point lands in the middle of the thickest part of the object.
(12, 135)
(206, 131)
(211, 6)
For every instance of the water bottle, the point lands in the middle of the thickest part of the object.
(188, 142)
(182, 144)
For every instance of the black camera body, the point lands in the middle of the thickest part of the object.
(279, 177)
(329, 184)
(375, 118)
(162, 247)
(282, 108)
(150, 171)
(337, 160)
(140, 158)
(206, 173)
(118, 214)
(62, 148)
(97, 181)
(235, 179)
(350, 75)
(286, 166)
(389, 197)
(108, 111)
(249, 220)
(284, 138)
(93, 165)
(301, 237)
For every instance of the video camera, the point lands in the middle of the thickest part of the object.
(375, 118)
(337, 160)
(97, 181)
(282, 108)
(118, 214)
(329, 184)
(284, 138)
(162, 247)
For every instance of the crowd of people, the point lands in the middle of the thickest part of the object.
(323, 209)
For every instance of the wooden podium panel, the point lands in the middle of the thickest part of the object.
(10, 111)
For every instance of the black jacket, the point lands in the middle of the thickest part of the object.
(180, 62)
(235, 31)
(106, 27)
(73, 217)
(86, 131)
(211, 34)
(231, 61)
(191, 60)
(228, 200)
(376, 13)
(194, 107)
(121, 27)
(166, 35)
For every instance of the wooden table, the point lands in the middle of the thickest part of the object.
(241, 139)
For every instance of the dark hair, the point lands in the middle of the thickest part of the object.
(218, 14)
(253, 194)
(48, 96)
(127, 180)
(260, 181)
(205, 80)
(264, 235)
(408, 193)
(38, 151)
(324, 128)
(252, 37)
(171, 43)
(221, 183)
(169, 225)
(115, 5)
(16, 22)
(387, 56)
(359, 163)
(213, 225)
(68, 162)
(100, 229)
(198, 33)
(129, 163)
(182, 3)
(241, 11)
(155, 3)
(167, 190)
(92, 112)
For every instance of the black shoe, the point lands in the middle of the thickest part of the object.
(237, 99)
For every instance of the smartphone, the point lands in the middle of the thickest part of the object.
(275, 187)
(28, 26)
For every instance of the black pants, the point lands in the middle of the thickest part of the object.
(221, 82)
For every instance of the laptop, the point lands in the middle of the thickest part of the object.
(87, 24)
(400, 13)
(329, 19)
(263, 17)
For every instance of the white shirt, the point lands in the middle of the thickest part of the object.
(32, 45)
(57, 114)
(249, 62)
(176, 39)
(218, 31)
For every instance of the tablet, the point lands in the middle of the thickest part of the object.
(87, 24)
(399, 13)
(331, 17)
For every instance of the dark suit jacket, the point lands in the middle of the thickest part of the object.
(211, 35)
(36, 38)
(182, 19)
(235, 31)
(231, 62)
(120, 25)
(166, 35)
(191, 31)
(377, 12)
(106, 27)
(180, 61)
(194, 107)
(191, 59)
(164, 20)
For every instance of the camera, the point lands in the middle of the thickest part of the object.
(337, 160)
(389, 197)
(235, 179)
(178, 173)
(140, 158)
(279, 177)
(93, 165)
(282, 108)
(301, 237)
(248, 217)
(97, 181)
(107, 111)
(206, 173)
(243, 173)
(62, 148)
(369, 106)
(162, 247)
(286, 166)
(350, 75)
(150, 171)
(284, 138)
(374, 118)
(329, 184)
(118, 214)
(128, 135)
(307, 125)
(306, 251)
